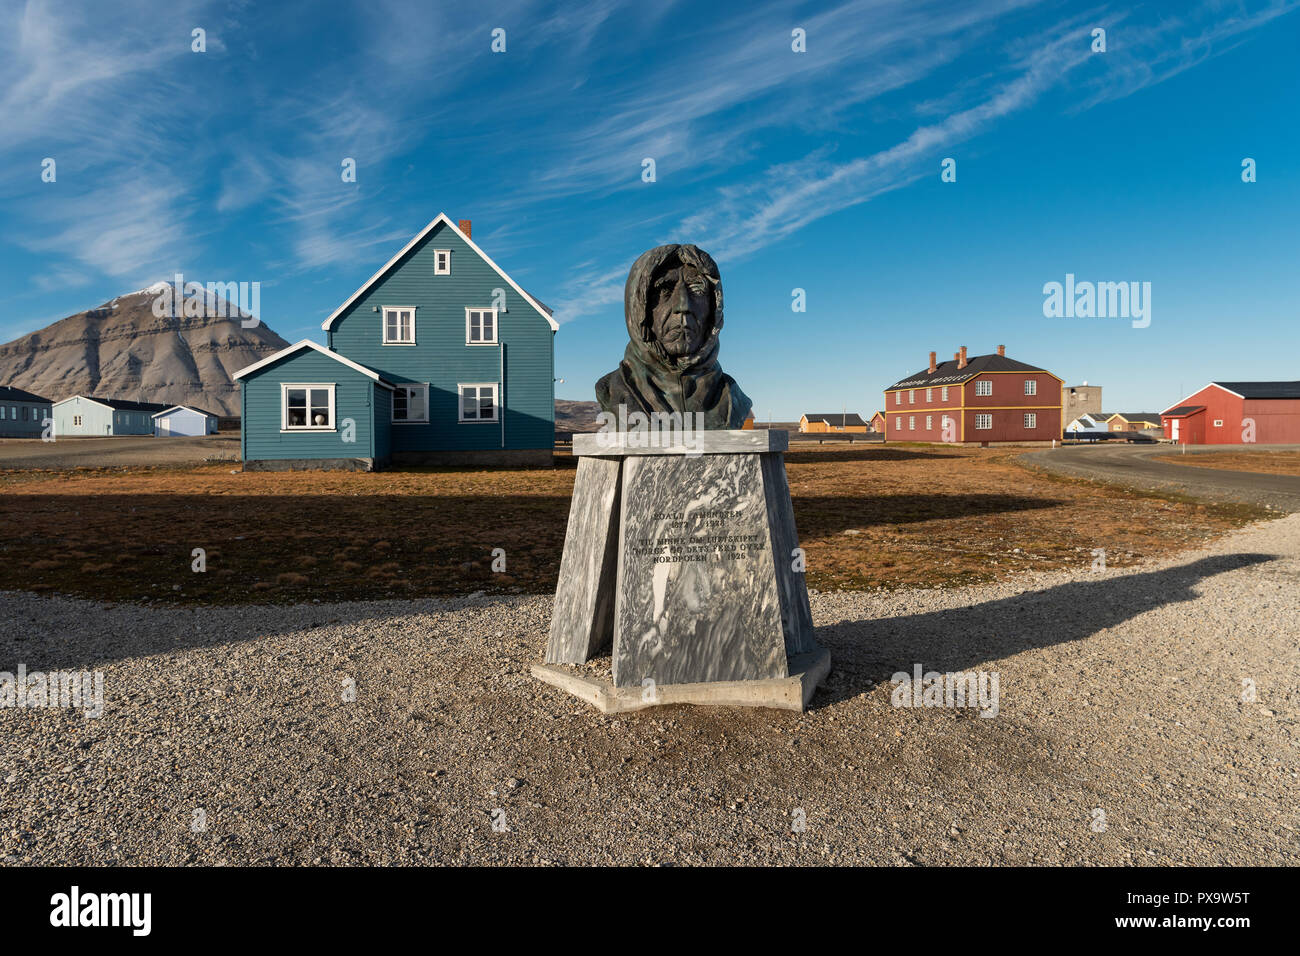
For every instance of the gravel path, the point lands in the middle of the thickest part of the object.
(1120, 692)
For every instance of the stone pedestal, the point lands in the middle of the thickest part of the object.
(683, 557)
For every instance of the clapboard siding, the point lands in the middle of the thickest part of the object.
(184, 421)
(383, 411)
(441, 357)
(96, 420)
(354, 398)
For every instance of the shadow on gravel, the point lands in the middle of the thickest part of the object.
(965, 638)
(75, 634)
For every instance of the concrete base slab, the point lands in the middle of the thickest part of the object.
(807, 671)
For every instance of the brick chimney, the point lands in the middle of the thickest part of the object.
(933, 355)
(1002, 350)
(463, 226)
(961, 357)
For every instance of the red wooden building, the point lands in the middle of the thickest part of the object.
(1236, 413)
(988, 398)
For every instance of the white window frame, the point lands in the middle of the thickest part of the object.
(984, 387)
(929, 422)
(1031, 419)
(929, 394)
(441, 266)
(898, 399)
(284, 407)
(911, 423)
(911, 396)
(986, 418)
(460, 402)
(943, 397)
(383, 329)
(496, 328)
(1031, 386)
(1218, 423)
(76, 421)
(410, 387)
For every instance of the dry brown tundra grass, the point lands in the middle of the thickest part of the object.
(868, 517)
(1260, 462)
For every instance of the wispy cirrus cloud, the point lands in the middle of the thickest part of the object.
(768, 205)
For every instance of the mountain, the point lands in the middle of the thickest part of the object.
(571, 416)
(122, 350)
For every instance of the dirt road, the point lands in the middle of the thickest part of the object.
(1134, 465)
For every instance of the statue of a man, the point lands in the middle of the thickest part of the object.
(673, 307)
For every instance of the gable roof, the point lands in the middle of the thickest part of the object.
(1262, 389)
(188, 408)
(947, 373)
(836, 418)
(118, 404)
(309, 344)
(10, 394)
(1088, 420)
(1137, 416)
(542, 310)
(1248, 390)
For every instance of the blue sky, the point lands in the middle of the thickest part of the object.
(817, 170)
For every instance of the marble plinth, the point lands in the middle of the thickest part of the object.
(793, 692)
(685, 559)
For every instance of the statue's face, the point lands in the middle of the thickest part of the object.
(680, 300)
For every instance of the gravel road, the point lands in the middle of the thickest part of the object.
(117, 452)
(1134, 465)
(1120, 694)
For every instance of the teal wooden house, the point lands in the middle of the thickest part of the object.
(439, 358)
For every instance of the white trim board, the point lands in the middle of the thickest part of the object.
(1183, 400)
(440, 218)
(196, 411)
(305, 344)
(84, 398)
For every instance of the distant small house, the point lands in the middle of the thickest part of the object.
(748, 424)
(832, 422)
(1086, 425)
(878, 422)
(184, 420)
(1133, 421)
(85, 416)
(21, 413)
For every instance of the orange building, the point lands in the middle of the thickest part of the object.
(832, 422)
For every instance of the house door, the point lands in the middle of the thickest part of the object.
(165, 426)
(1173, 429)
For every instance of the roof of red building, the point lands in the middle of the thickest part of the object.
(947, 373)
(1262, 389)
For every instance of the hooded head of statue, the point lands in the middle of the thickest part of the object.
(673, 308)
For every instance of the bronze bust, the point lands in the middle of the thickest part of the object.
(673, 307)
